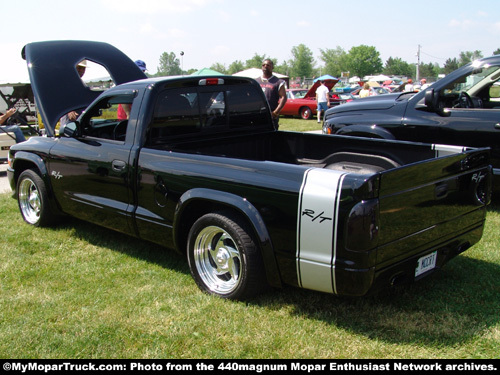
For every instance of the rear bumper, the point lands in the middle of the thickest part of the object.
(360, 282)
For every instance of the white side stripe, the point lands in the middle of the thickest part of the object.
(316, 234)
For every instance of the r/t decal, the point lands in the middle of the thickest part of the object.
(56, 175)
(311, 214)
(478, 177)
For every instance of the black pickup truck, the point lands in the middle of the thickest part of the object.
(198, 167)
(462, 108)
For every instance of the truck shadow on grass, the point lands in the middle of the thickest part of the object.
(451, 306)
(454, 305)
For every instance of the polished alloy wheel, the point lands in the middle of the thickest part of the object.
(29, 201)
(217, 260)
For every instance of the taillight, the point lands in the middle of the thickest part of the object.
(211, 81)
(363, 226)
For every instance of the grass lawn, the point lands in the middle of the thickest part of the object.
(81, 291)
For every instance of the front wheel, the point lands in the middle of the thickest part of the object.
(223, 257)
(33, 199)
(305, 113)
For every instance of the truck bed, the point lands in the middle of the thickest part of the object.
(418, 198)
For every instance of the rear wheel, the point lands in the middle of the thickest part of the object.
(33, 199)
(305, 113)
(223, 257)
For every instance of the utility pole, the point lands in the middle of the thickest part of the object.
(417, 79)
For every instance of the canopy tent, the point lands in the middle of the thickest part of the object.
(206, 72)
(325, 77)
(377, 78)
(255, 73)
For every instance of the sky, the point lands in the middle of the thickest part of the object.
(223, 31)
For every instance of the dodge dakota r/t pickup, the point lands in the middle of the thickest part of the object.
(197, 166)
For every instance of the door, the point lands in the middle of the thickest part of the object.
(91, 172)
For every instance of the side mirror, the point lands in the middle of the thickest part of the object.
(432, 103)
(430, 100)
(68, 130)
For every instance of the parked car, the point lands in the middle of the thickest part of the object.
(302, 102)
(462, 108)
(373, 91)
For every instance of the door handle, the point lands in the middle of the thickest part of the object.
(497, 125)
(118, 165)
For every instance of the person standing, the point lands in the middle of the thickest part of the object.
(81, 67)
(365, 91)
(11, 128)
(274, 90)
(409, 85)
(123, 110)
(322, 98)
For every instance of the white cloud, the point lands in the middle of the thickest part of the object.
(155, 6)
(303, 24)
(464, 24)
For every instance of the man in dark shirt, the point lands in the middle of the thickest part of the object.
(274, 90)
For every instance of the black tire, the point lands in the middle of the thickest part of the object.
(223, 257)
(33, 199)
(305, 113)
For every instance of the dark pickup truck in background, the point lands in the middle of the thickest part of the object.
(462, 108)
(198, 167)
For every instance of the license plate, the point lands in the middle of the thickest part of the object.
(426, 263)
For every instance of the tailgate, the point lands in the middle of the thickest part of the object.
(427, 203)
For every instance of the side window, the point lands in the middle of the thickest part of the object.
(108, 119)
(246, 107)
(176, 112)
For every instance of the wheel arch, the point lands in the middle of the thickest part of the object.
(27, 160)
(199, 201)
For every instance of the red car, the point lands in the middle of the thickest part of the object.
(302, 102)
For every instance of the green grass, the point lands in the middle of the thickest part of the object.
(298, 125)
(81, 291)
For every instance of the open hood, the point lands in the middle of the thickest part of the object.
(57, 87)
(328, 83)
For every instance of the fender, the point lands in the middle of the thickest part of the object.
(369, 131)
(245, 208)
(26, 160)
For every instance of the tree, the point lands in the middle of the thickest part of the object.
(235, 67)
(169, 65)
(469, 56)
(256, 61)
(334, 60)
(429, 71)
(398, 67)
(302, 63)
(363, 60)
(497, 52)
(219, 67)
(450, 65)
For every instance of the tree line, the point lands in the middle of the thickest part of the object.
(359, 61)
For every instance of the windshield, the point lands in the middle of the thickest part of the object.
(475, 81)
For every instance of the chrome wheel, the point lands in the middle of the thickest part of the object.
(33, 199)
(30, 202)
(223, 257)
(217, 260)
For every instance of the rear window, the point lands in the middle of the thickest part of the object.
(181, 111)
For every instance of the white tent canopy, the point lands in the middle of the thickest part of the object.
(378, 78)
(255, 73)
